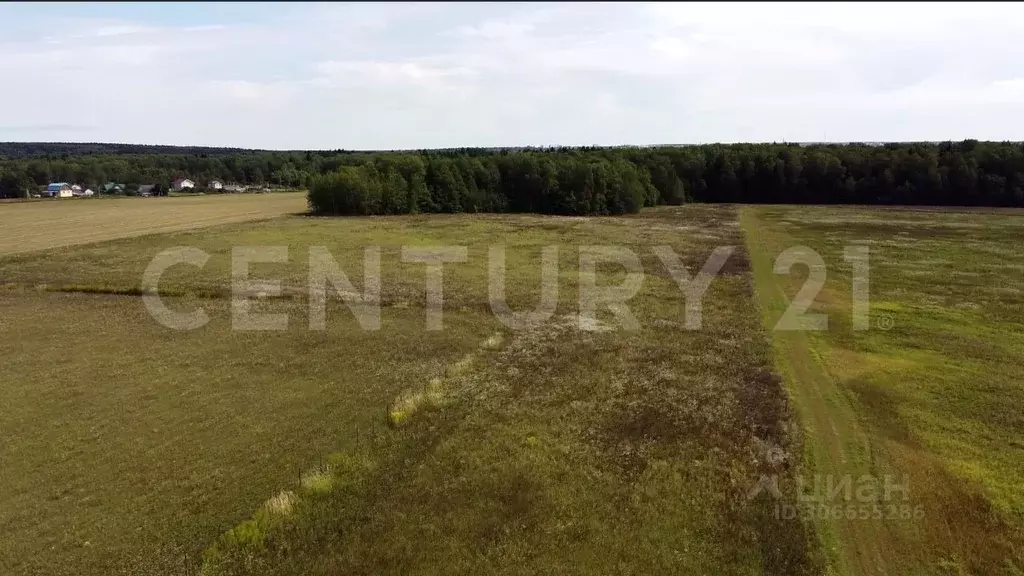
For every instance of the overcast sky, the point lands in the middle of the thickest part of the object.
(385, 76)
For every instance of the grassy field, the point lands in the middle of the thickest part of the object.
(932, 390)
(129, 448)
(37, 225)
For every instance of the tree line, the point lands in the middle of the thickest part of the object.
(516, 182)
(579, 180)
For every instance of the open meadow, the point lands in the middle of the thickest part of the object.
(130, 448)
(930, 393)
(127, 447)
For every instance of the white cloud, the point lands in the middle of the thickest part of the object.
(391, 73)
(254, 92)
(370, 75)
(123, 30)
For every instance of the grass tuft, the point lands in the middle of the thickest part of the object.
(398, 417)
(461, 367)
(318, 481)
(493, 342)
(283, 504)
(411, 402)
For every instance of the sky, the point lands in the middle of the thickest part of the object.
(429, 75)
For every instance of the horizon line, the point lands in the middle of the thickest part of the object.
(507, 147)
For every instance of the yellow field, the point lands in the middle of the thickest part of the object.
(28, 226)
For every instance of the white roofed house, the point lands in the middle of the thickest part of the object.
(182, 183)
(216, 185)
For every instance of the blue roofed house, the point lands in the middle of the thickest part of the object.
(59, 190)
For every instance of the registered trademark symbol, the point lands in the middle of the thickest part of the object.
(885, 322)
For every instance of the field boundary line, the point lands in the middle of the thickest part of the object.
(832, 437)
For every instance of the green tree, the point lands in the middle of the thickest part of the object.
(15, 184)
(394, 192)
(349, 190)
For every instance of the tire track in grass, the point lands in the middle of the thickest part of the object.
(834, 443)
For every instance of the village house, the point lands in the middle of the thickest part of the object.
(59, 190)
(182, 183)
(147, 190)
(112, 188)
(216, 185)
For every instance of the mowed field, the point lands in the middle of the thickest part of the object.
(130, 448)
(930, 393)
(30, 226)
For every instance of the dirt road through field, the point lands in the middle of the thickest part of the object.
(834, 443)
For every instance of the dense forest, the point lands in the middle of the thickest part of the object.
(555, 180)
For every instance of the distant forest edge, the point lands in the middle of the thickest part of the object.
(563, 180)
